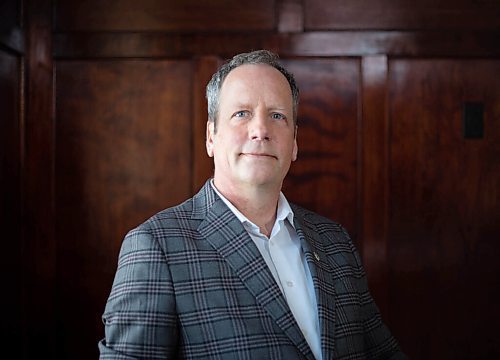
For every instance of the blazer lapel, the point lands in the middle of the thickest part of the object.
(322, 275)
(226, 234)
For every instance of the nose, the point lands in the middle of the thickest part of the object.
(259, 128)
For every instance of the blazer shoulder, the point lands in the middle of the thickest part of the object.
(172, 217)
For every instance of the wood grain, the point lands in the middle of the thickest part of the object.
(444, 209)
(123, 153)
(401, 14)
(374, 180)
(324, 178)
(380, 149)
(318, 44)
(39, 258)
(11, 197)
(203, 167)
(174, 16)
(291, 16)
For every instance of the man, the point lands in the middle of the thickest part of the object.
(236, 272)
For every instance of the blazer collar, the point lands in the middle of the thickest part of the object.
(226, 234)
(322, 274)
(203, 201)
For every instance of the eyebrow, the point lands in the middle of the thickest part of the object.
(247, 105)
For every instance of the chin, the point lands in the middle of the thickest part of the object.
(260, 179)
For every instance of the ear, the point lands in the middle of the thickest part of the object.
(209, 141)
(295, 149)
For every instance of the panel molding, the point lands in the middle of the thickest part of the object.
(290, 16)
(320, 44)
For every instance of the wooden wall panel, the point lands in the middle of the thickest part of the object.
(123, 153)
(203, 166)
(325, 176)
(170, 15)
(10, 198)
(37, 173)
(10, 14)
(374, 176)
(11, 22)
(444, 209)
(401, 14)
(426, 248)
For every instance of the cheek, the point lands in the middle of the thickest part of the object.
(225, 147)
(233, 141)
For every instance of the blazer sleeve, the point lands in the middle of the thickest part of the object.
(139, 318)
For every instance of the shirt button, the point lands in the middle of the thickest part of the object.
(289, 283)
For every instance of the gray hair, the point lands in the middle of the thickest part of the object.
(255, 57)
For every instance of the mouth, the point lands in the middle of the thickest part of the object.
(259, 155)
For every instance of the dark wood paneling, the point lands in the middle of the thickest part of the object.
(11, 35)
(444, 209)
(13, 39)
(10, 198)
(123, 153)
(154, 45)
(129, 142)
(325, 44)
(37, 174)
(171, 15)
(10, 14)
(401, 14)
(202, 164)
(324, 177)
(375, 176)
(291, 16)
(391, 43)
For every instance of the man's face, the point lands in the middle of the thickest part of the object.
(255, 139)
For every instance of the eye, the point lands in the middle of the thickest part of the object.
(278, 116)
(240, 114)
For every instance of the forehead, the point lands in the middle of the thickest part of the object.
(256, 78)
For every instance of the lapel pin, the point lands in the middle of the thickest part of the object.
(316, 256)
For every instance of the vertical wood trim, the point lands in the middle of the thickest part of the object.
(375, 176)
(38, 184)
(290, 16)
(202, 165)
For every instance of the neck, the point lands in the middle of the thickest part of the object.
(257, 203)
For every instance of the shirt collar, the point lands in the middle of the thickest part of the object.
(284, 210)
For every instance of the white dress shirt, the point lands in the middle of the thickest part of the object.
(283, 255)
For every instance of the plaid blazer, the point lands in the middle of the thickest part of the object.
(191, 284)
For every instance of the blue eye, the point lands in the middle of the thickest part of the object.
(240, 113)
(278, 116)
